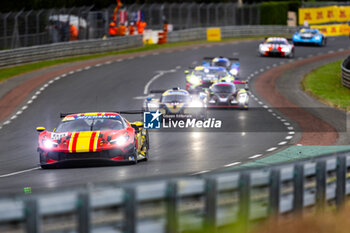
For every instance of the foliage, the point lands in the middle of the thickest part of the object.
(276, 13)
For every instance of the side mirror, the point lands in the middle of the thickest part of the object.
(186, 72)
(40, 129)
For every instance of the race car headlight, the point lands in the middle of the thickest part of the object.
(285, 50)
(153, 105)
(196, 104)
(234, 71)
(195, 80)
(317, 37)
(242, 98)
(296, 36)
(264, 48)
(120, 141)
(48, 144)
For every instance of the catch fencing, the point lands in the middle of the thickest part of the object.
(175, 204)
(28, 28)
(345, 72)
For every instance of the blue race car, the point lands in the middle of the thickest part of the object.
(309, 36)
(230, 64)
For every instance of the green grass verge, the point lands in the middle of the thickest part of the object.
(9, 72)
(324, 83)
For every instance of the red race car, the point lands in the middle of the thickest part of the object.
(93, 139)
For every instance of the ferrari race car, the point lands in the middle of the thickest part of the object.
(202, 77)
(224, 94)
(93, 139)
(309, 36)
(230, 64)
(276, 46)
(177, 103)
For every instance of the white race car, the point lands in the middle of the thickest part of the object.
(276, 46)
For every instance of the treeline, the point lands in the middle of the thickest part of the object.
(16, 5)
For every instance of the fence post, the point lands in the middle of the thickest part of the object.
(130, 210)
(298, 192)
(32, 216)
(26, 27)
(321, 172)
(274, 194)
(83, 209)
(172, 207)
(341, 181)
(37, 25)
(210, 205)
(244, 201)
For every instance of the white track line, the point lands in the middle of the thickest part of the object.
(271, 149)
(282, 143)
(255, 156)
(232, 164)
(19, 172)
(154, 78)
(201, 172)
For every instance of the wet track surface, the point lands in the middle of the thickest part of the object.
(114, 87)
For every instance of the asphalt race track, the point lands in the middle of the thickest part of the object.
(122, 86)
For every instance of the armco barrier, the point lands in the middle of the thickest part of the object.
(66, 49)
(345, 72)
(174, 204)
(83, 47)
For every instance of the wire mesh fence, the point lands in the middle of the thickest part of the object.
(28, 28)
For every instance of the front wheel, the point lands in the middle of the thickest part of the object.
(291, 55)
(133, 158)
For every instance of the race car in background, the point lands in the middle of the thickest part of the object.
(309, 36)
(93, 139)
(226, 94)
(177, 103)
(230, 64)
(276, 46)
(202, 77)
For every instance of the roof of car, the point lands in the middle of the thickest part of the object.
(209, 68)
(309, 30)
(217, 59)
(276, 39)
(175, 92)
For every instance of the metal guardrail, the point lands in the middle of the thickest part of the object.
(83, 47)
(230, 32)
(345, 72)
(179, 203)
(65, 49)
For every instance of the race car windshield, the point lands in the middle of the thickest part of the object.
(308, 32)
(79, 125)
(277, 42)
(223, 89)
(212, 73)
(175, 98)
(221, 63)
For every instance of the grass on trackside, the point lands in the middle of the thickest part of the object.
(9, 72)
(324, 83)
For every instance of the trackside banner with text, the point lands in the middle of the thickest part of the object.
(333, 29)
(322, 15)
